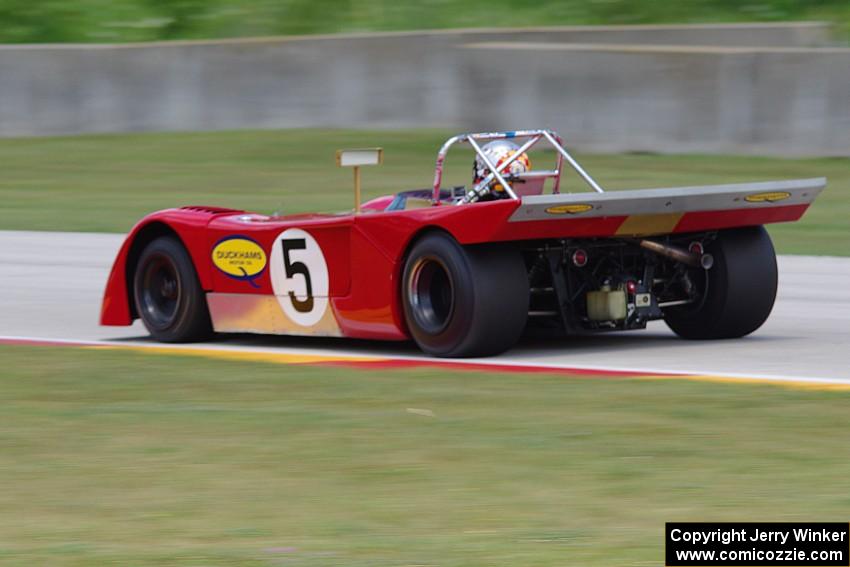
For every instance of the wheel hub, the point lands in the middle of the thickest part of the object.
(431, 294)
(160, 291)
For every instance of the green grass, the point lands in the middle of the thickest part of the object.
(143, 20)
(106, 183)
(118, 458)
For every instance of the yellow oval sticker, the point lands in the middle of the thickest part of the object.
(770, 197)
(239, 258)
(569, 209)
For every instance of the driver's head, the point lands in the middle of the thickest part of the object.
(498, 152)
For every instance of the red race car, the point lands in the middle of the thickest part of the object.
(464, 271)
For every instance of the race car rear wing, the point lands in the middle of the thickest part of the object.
(674, 200)
(648, 210)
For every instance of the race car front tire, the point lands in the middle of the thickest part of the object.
(738, 291)
(464, 301)
(167, 294)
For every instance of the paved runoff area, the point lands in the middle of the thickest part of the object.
(51, 285)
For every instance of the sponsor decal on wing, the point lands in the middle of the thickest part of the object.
(574, 209)
(770, 197)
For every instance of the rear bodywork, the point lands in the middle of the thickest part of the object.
(339, 274)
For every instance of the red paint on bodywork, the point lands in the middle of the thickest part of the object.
(372, 310)
(330, 231)
(714, 220)
(378, 204)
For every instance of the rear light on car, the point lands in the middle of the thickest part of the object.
(579, 258)
(631, 287)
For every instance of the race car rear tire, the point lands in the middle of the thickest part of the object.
(463, 301)
(739, 289)
(167, 294)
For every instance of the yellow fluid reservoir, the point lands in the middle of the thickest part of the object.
(606, 304)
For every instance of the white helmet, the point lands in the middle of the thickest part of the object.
(498, 152)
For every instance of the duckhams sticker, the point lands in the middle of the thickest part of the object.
(770, 197)
(569, 209)
(240, 258)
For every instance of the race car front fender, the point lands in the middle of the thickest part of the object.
(188, 224)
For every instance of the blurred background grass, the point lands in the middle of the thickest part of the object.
(123, 458)
(144, 20)
(106, 183)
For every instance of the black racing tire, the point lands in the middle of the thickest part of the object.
(464, 301)
(168, 295)
(738, 291)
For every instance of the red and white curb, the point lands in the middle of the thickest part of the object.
(285, 355)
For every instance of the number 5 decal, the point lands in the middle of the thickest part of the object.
(291, 268)
(299, 276)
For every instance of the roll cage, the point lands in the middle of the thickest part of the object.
(531, 137)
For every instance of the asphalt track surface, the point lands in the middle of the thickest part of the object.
(51, 285)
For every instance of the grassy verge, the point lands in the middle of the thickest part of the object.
(143, 20)
(121, 458)
(106, 183)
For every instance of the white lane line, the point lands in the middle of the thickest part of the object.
(472, 363)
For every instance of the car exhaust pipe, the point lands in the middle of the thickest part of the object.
(704, 261)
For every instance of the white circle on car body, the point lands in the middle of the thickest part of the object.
(299, 276)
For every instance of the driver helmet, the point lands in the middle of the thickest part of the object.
(498, 152)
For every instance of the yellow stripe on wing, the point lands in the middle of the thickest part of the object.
(646, 225)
